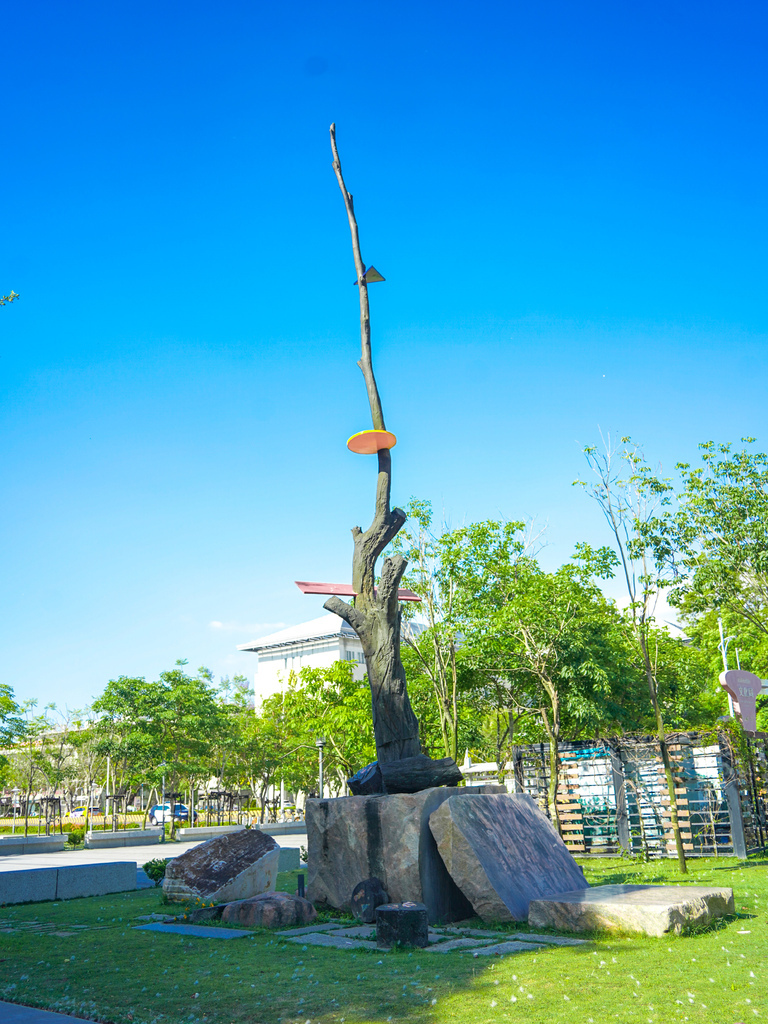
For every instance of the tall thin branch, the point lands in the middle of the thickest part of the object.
(366, 362)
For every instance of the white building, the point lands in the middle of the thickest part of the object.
(318, 644)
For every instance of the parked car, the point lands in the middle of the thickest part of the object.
(160, 814)
(79, 812)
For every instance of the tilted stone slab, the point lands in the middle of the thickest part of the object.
(502, 852)
(650, 909)
(230, 867)
(353, 838)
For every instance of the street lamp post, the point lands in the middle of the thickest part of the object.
(15, 792)
(320, 744)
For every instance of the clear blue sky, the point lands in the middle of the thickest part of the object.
(567, 200)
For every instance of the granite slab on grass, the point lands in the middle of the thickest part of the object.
(451, 944)
(649, 909)
(503, 948)
(199, 931)
(332, 940)
(309, 929)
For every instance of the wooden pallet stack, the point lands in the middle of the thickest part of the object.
(569, 809)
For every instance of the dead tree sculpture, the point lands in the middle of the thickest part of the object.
(375, 614)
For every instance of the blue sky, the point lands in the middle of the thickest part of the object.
(568, 204)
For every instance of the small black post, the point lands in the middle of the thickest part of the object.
(300, 890)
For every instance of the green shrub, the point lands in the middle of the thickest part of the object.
(76, 836)
(155, 869)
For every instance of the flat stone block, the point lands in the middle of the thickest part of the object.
(309, 930)
(503, 948)
(332, 940)
(446, 947)
(360, 931)
(502, 852)
(30, 885)
(549, 940)
(289, 859)
(95, 879)
(20, 844)
(650, 909)
(351, 839)
(122, 837)
(199, 931)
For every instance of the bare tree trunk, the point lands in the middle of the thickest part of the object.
(375, 617)
(665, 756)
(553, 735)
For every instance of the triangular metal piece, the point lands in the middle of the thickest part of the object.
(371, 276)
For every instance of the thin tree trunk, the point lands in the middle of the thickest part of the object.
(375, 617)
(552, 732)
(665, 756)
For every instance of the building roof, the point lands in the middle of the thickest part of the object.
(327, 627)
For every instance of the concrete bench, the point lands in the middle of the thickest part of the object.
(32, 885)
(207, 831)
(20, 844)
(124, 837)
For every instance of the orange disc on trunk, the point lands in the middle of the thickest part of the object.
(368, 442)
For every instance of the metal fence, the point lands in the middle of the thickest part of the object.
(613, 794)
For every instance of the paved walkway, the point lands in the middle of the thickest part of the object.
(12, 1013)
(140, 854)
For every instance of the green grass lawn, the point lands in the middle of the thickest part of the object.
(83, 957)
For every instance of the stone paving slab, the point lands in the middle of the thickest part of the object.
(361, 931)
(649, 909)
(479, 933)
(13, 1013)
(446, 947)
(549, 940)
(507, 947)
(336, 941)
(309, 929)
(552, 940)
(198, 930)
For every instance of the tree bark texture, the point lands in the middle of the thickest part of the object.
(375, 615)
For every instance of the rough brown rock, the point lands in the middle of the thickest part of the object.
(270, 910)
(229, 867)
(502, 852)
(353, 838)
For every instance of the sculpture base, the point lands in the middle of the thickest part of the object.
(350, 839)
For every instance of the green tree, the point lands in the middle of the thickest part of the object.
(635, 504)
(555, 640)
(722, 531)
(451, 570)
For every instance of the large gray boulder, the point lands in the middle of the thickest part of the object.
(229, 867)
(502, 852)
(353, 838)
